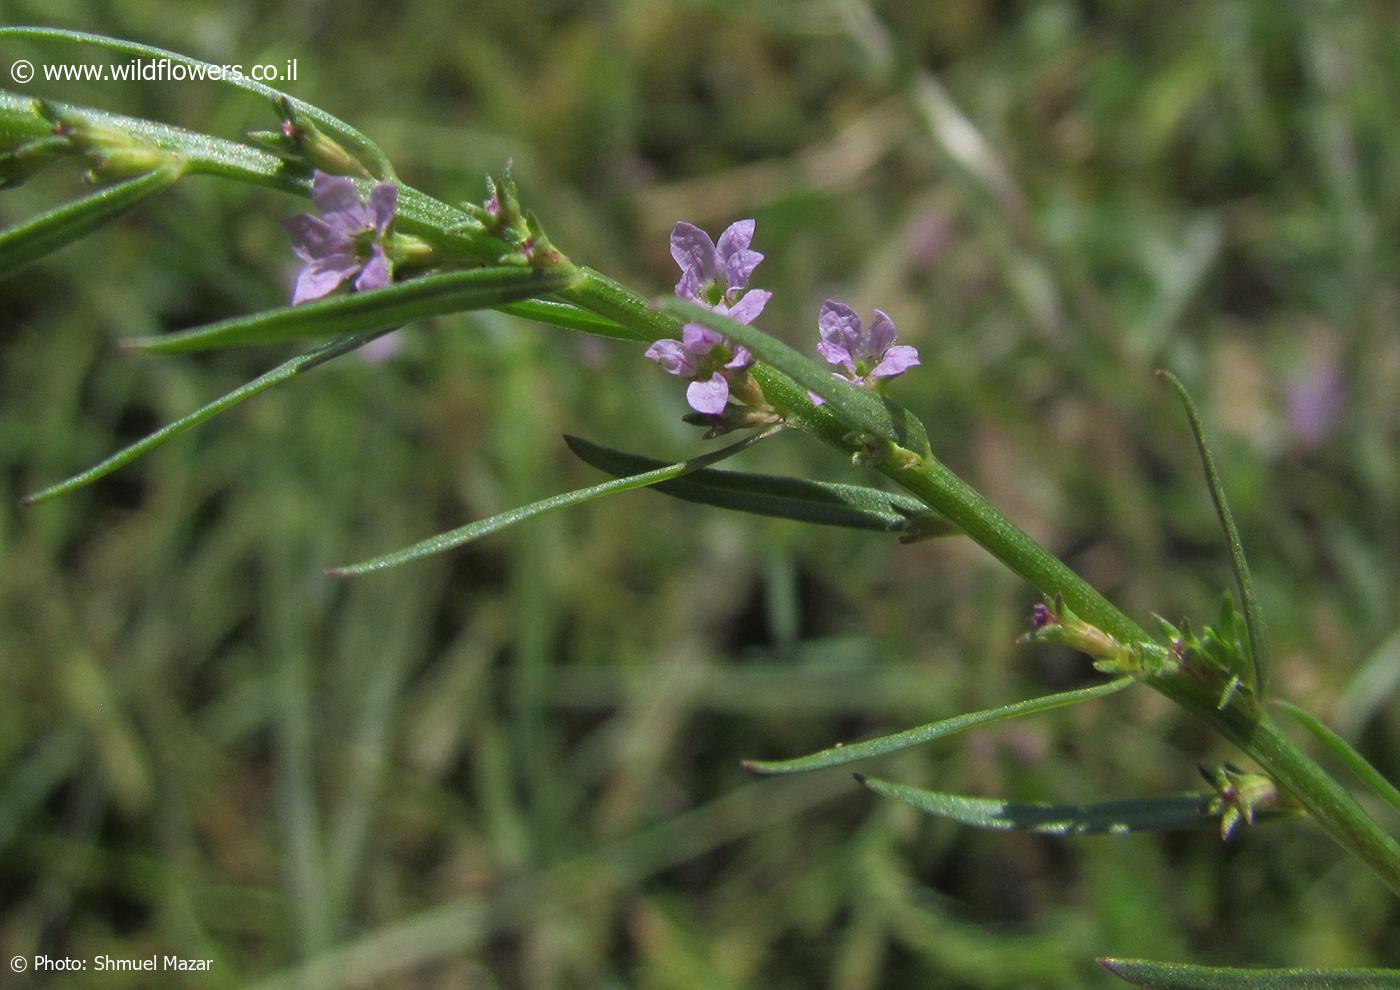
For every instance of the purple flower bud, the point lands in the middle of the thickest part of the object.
(1041, 616)
(346, 241)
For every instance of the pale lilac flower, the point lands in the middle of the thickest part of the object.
(715, 276)
(345, 241)
(1315, 401)
(865, 354)
(702, 356)
(381, 349)
(710, 273)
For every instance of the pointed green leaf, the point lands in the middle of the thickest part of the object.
(1180, 976)
(289, 369)
(568, 316)
(1357, 763)
(861, 408)
(369, 152)
(1259, 650)
(358, 312)
(1115, 817)
(484, 527)
(46, 233)
(840, 755)
(851, 506)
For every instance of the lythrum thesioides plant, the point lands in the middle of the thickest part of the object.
(377, 254)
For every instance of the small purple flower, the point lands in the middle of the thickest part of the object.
(716, 276)
(381, 349)
(1316, 399)
(702, 356)
(712, 274)
(347, 240)
(866, 354)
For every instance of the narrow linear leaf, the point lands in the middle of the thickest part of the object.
(483, 527)
(1181, 976)
(1357, 763)
(46, 233)
(567, 316)
(289, 369)
(861, 408)
(332, 125)
(849, 506)
(840, 755)
(1115, 817)
(1259, 649)
(358, 312)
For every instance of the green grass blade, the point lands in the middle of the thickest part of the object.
(1253, 615)
(1357, 763)
(850, 506)
(840, 755)
(860, 407)
(484, 527)
(1115, 817)
(46, 233)
(358, 312)
(289, 369)
(1180, 976)
(366, 149)
(567, 316)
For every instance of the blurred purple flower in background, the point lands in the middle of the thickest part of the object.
(1315, 400)
(347, 240)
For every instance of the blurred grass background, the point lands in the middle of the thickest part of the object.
(517, 765)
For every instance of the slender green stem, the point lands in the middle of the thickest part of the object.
(1334, 810)
(939, 488)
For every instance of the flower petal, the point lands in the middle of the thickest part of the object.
(689, 285)
(692, 248)
(313, 238)
(735, 257)
(333, 192)
(376, 273)
(836, 354)
(672, 356)
(741, 359)
(709, 397)
(322, 276)
(736, 237)
(840, 326)
(747, 309)
(897, 360)
(882, 334)
(699, 340)
(382, 200)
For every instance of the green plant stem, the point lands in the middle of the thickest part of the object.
(1330, 806)
(1334, 810)
(934, 484)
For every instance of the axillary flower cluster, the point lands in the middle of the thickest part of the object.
(716, 275)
